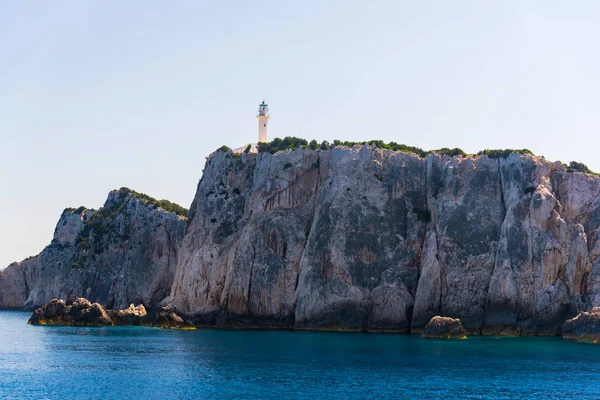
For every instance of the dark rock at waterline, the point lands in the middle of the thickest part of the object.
(81, 312)
(444, 328)
(166, 318)
(585, 327)
(132, 315)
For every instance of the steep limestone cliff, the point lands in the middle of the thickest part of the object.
(347, 238)
(368, 239)
(125, 252)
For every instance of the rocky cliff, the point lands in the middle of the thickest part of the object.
(125, 252)
(367, 239)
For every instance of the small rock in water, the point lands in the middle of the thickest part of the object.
(444, 328)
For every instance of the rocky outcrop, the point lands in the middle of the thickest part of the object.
(369, 239)
(81, 312)
(584, 328)
(125, 252)
(132, 315)
(78, 313)
(167, 318)
(444, 328)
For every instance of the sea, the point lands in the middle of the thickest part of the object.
(53, 362)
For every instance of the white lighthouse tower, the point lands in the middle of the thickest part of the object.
(263, 122)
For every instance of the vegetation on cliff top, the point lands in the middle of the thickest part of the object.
(294, 143)
(503, 153)
(277, 144)
(72, 210)
(575, 166)
(164, 204)
(30, 258)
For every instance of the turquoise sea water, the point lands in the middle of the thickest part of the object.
(39, 362)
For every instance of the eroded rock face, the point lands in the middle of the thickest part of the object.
(368, 239)
(444, 328)
(584, 328)
(124, 253)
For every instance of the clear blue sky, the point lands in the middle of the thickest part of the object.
(95, 95)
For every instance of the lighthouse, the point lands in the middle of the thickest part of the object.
(263, 122)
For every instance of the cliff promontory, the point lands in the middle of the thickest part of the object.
(125, 252)
(342, 238)
(361, 238)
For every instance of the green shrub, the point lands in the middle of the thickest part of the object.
(324, 145)
(224, 149)
(575, 166)
(451, 152)
(29, 258)
(337, 143)
(498, 153)
(164, 204)
(380, 144)
(289, 142)
(78, 210)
